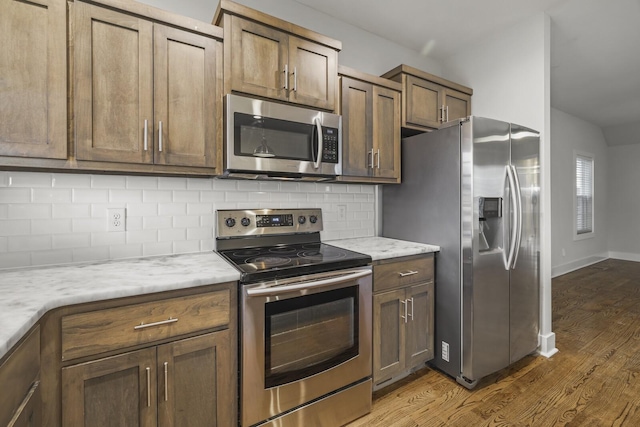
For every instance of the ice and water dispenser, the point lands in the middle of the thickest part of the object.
(490, 227)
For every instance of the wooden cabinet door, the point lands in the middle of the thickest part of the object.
(33, 78)
(388, 334)
(386, 132)
(457, 104)
(423, 103)
(115, 391)
(357, 127)
(419, 324)
(258, 61)
(187, 99)
(195, 385)
(113, 76)
(313, 72)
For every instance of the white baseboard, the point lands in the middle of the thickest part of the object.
(547, 344)
(559, 270)
(625, 256)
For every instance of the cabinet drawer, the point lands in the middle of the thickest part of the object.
(17, 375)
(99, 331)
(402, 273)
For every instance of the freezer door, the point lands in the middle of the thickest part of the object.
(485, 243)
(525, 286)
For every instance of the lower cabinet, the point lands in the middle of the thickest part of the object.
(403, 316)
(182, 383)
(20, 392)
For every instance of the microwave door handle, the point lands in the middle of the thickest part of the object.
(318, 155)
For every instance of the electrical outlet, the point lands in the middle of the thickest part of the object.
(445, 351)
(117, 220)
(342, 212)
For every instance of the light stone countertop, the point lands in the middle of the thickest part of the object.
(382, 247)
(27, 294)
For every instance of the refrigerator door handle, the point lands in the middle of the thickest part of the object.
(514, 213)
(519, 211)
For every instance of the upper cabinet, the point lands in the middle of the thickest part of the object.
(146, 95)
(33, 79)
(271, 58)
(429, 101)
(370, 108)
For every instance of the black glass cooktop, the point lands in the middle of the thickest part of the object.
(281, 261)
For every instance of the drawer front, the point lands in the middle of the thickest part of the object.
(99, 331)
(17, 375)
(402, 273)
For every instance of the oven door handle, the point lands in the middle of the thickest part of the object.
(276, 290)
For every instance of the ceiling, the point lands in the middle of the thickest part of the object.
(595, 44)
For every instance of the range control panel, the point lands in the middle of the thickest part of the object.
(248, 222)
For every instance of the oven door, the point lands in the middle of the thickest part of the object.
(269, 138)
(303, 338)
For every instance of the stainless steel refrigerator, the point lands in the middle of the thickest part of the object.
(473, 188)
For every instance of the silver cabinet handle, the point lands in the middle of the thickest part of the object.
(295, 79)
(442, 114)
(411, 314)
(404, 303)
(408, 273)
(148, 387)
(370, 159)
(143, 325)
(286, 77)
(166, 381)
(146, 135)
(160, 136)
(378, 154)
(447, 113)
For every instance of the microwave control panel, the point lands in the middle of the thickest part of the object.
(329, 145)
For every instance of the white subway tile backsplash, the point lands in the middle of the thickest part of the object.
(68, 210)
(29, 179)
(172, 183)
(172, 208)
(90, 195)
(142, 236)
(28, 211)
(157, 196)
(15, 259)
(99, 253)
(172, 234)
(157, 222)
(199, 183)
(142, 182)
(15, 227)
(15, 195)
(57, 256)
(66, 180)
(74, 240)
(88, 225)
(58, 218)
(125, 196)
(28, 243)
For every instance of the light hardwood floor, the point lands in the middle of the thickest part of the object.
(593, 381)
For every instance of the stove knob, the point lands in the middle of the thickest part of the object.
(230, 222)
(313, 219)
(245, 221)
(302, 219)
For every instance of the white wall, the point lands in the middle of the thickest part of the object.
(624, 202)
(361, 50)
(510, 76)
(56, 218)
(570, 134)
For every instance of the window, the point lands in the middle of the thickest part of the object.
(584, 194)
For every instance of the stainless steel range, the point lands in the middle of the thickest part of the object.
(305, 319)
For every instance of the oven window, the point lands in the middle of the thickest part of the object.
(266, 137)
(309, 334)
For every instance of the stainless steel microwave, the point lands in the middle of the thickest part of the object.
(269, 140)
